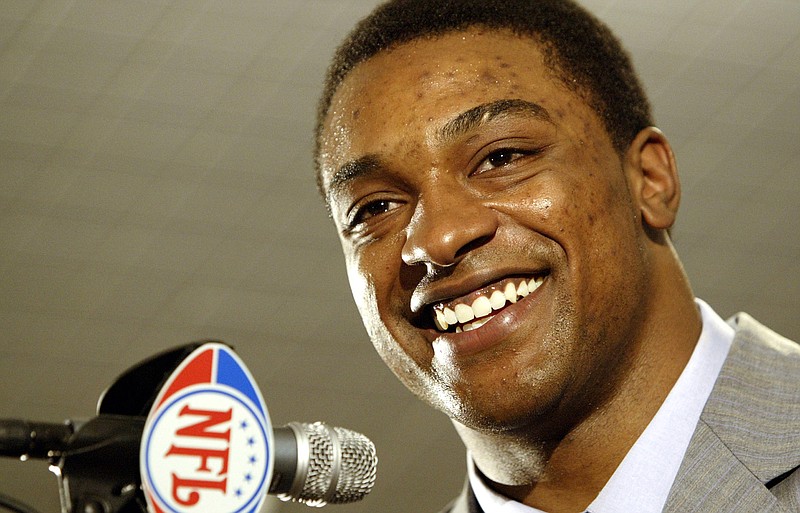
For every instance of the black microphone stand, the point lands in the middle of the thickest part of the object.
(99, 473)
(97, 461)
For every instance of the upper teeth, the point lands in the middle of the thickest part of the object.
(483, 306)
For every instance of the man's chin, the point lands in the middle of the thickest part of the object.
(504, 419)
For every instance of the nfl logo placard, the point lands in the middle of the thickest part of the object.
(207, 441)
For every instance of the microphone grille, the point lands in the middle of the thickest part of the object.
(359, 466)
(342, 465)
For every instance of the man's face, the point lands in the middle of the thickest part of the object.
(492, 244)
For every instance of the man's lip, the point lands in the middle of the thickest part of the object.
(424, 299)
(503, 324)
(477, 308)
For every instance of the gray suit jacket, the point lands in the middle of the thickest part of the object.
(744, 455)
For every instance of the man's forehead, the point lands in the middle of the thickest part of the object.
(464, 58)
(472, 46)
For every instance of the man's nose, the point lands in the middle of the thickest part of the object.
(446, 226)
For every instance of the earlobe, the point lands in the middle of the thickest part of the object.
(654, 178)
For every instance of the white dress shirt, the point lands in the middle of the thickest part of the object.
(642, 481)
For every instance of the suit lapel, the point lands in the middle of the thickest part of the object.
(713, 479)
(747, 434)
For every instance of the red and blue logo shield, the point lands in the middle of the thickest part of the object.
(207, 441)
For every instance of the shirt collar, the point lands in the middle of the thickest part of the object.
(642, 481)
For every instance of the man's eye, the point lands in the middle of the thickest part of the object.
(370, 210)
(499, 158)
(502, 157)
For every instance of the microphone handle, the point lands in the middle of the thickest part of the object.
(285, 463)
(45, 440)
(26, 439)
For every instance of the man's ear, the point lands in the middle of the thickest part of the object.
(653, 178)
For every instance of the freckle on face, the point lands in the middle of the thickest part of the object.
(487, 77)
(501, 61)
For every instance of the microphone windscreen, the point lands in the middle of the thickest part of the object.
(334, 465)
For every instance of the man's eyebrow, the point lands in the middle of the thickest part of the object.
(474, 117)
(461, 124)
(348, 172)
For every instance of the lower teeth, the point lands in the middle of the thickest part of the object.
(474, 325)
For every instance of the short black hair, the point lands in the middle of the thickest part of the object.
(579, 48)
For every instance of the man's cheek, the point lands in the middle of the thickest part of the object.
(362, 288)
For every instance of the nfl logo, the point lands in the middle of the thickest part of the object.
(207, 441)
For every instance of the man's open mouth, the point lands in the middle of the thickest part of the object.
(462, 315)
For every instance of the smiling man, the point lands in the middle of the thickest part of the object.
(504, 205)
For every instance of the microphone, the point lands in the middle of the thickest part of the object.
(315, 464)
(187, 430)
